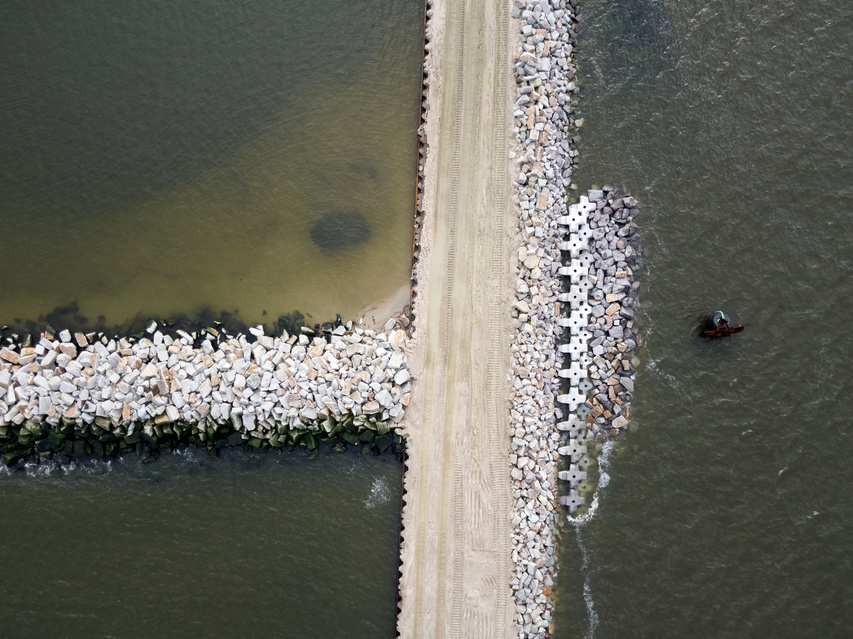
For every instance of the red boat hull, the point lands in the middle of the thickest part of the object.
(723, 332)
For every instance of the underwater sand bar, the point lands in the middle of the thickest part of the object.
(455, 558)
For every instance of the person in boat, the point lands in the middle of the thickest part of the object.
(717, 321)
(717, 325)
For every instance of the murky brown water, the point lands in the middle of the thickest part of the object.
(727, 508)
(157, 162)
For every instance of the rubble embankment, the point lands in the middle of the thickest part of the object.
(545, 126)
(88, 394)
(613, 300)
(575, 304)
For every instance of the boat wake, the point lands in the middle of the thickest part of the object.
(580, 523)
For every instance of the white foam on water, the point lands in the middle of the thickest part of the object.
(352, 470)
(43, 469)
(651, 366)
(580, 523)
(603, 481)
(95, 466)
(190, 455)
(38, 470)
(587, 588)
(379, 494)
(49, 467)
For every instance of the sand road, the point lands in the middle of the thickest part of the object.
(456, 565)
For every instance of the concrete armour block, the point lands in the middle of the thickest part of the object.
(573, 476)
(571, 501)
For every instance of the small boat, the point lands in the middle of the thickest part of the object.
(717, 325)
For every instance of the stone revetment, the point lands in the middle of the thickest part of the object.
(92, 394)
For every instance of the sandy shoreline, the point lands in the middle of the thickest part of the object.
(378, 313)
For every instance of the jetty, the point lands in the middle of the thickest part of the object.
(523, 305)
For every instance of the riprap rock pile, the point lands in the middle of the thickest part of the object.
(602, 297)
(613, 301)
(82, 394)
(543, 123)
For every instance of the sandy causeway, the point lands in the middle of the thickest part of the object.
(455, 550)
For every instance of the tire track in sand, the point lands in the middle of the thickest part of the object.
(455, 565)
(437, 359)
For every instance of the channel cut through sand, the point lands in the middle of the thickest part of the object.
(455, 549)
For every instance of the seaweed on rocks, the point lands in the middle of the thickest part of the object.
(57, 449)
(290, 322)
(67, 442)
(88, 394)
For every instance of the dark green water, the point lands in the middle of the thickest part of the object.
(727, 513)
(158, 158)
(189, 546)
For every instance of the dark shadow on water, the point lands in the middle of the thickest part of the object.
(336, 231)
(203, 322)
(68, 316)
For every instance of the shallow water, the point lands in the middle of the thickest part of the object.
(159, 160)
(726, 510)
(191, 546)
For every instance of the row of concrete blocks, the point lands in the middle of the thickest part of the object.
(576, 350)
(575, 451)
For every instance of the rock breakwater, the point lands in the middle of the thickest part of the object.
(85, 393)
(545, 126)
(613, 302)
(575, 280)
(599, 353)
